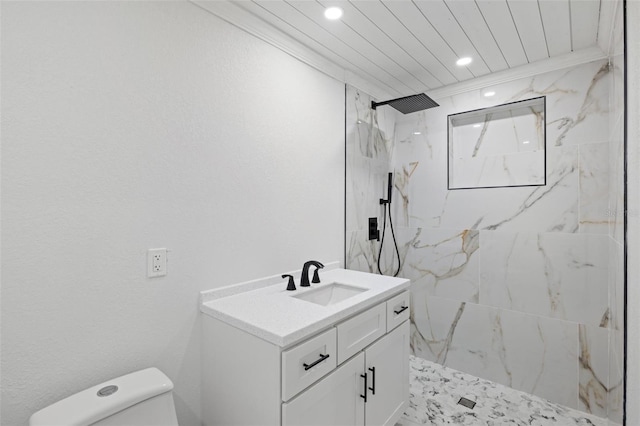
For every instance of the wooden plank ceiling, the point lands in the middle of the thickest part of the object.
(407, 47)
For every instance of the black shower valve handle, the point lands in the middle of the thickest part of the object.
(374, 232)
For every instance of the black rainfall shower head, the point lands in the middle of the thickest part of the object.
(409, 104)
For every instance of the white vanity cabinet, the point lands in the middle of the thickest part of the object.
(388, 377)
(334, 400)
(339, 399)
(354, 372)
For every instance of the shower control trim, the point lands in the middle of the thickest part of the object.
(374, 232)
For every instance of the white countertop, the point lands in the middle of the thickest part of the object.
(267, 310)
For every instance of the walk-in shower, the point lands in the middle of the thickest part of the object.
(506, 282)
(406, 105)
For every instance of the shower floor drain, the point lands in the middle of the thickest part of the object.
(467, 403)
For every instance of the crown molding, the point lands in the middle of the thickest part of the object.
(248, 22)
(524, 71)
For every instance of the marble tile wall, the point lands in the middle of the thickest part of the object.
(370, 142)
(616, 223)
(509, 284)
(497, 147)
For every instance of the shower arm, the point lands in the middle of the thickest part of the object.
(375, 105)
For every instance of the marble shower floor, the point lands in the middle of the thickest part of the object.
(435, 391)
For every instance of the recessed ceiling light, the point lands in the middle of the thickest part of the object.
(333, 13)
(525, 142)
(476, 125)
(489, 93)
(463, 61)
(417, 133)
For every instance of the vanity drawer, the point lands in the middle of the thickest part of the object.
(356, 333)
(302, 365)
(398, 309)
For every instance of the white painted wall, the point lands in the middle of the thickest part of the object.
(633, 213)
(134, 125)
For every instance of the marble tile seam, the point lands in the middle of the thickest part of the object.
(514, 311)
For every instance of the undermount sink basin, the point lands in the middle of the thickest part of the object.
(329, 294)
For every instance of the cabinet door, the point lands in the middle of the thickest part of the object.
(334, 400)
(387, 363)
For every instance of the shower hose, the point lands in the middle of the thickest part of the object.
(387, 204)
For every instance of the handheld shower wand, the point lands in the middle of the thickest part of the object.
(389, 189)
(387, 204)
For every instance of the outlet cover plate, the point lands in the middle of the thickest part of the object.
(157, 262)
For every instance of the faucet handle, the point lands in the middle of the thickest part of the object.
(316, 277)
(291, 285)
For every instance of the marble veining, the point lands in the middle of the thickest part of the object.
(578, 94)
(369, 143)
(401, 183)
(435, 391)
(438, 346)
(615, 216)
(593, 370)
(588, 102)
(445, 262)
(518, 285)
(529, 353)
(594, 188)
(550, 274)
(560, 176)
(496, 147)
(361, 251)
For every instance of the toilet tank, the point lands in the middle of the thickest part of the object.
(141, 398)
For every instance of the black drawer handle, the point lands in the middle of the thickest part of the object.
(373, 380)
(404, 308)
(364, 376)
(316, 362)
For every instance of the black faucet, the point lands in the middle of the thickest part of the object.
(304, 279)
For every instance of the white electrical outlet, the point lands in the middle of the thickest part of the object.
(157, 262)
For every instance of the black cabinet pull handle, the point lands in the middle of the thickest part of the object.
(373, 380)
(404, 308)
(364, 376)
(316, 362)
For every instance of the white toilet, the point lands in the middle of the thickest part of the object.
(141, 398)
